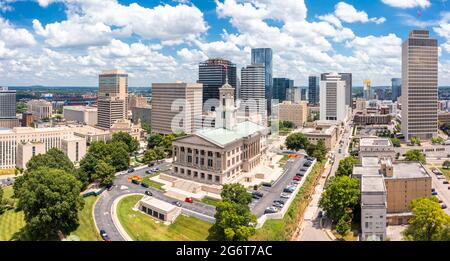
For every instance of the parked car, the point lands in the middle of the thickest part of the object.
(443, 206)
(288, 189)
(448, 187)
(445, 182)
(267, 184)
(258, 194)
(440, 200)
(148, 193)
(104, 235)
(177, 203)
(148, 171)
(300, 174)
(310, 158)
(297, 178)
(109, 187)
(433, 189)
(278, 205)
(279, 201)
(135, 182)
(145, 185)
(270, 210)
(285, 195)
(434, 193)
(130, 170)
(307, 164)
(189, 200)
(304, 169)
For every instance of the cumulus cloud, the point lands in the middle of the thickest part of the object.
(349, 14)
(15, 37)
(407, 3)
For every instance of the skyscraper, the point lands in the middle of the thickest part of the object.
(212, 74)
(347, 77)
(313, 90)
(419, 85)
(7, 103)
(396, 88)
(281, 88)
(264, 56)
(367, 84)
(303, 92)
(253, 92)
(332, 98)
(112, 97)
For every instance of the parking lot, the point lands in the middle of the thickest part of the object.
(442, 190)
(272, 193)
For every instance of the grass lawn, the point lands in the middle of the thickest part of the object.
(446, 172)
(210, 201)
(11, 221)
(283, 160)
(152, 183)
(144, 228)
(86, 231)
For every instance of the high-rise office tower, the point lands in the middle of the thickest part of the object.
(7, 103)
(303, 94)
(347, 78)
(332, 98)
(419, 85)
(112, 97)
(252, 94)
(313, 90)
(212, 73)
(281, 88)
(396, 88)
(176, 107)
(367, 84)
(264, 56)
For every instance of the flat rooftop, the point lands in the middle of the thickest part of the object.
(159, 204)
(363, 171)
(370, 162)
(375, 142)
(405, 170)
(372, 184)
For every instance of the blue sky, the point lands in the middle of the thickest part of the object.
(68, 42)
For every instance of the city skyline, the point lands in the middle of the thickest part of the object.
(36, 48)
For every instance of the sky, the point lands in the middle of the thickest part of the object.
(69, 42)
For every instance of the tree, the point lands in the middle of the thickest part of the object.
(428, 220)
(436, 140)
(119, 157)
(345, 167)
(446, 164)
(50, 199)
(21, 107)
(104, 173)
(146, 127)
(132, 143)
(296, 141)
(320, 151)
(88, 163)
(415, 141)
(234, 220)
(340, 197)
(1, 200)
(54, 158)
(343, 226)
(286, 125)
(154, 140)
(415, 155)
(395, 142)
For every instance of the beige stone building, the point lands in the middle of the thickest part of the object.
(376, 147)
(220, 155)
(322, 130)
(81, 114)
(112, 97)
(176, 107)
(18, 145)
(159, 209)
(41, 109)
(296, 113)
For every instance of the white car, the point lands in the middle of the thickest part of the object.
(285, 195)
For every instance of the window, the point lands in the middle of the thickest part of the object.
(202, 175)
(209, 177)
(202, 152)
(217, 179)
(223, 101)
(210, 162)
(210, 154)
(189, 159)
(202, 161)
(195, 174)
(175, 169)
(217, 154)
(182, 170)
(182, 149)
(196, 160)
(189, 172)
(189, 150)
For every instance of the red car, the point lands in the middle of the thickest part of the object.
(189, 200)
(297, 178)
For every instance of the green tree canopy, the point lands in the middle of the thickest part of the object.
(1, 200)
(415, 141)
(154, 140)
(437, 140)
(446, 164)
(340, 197)
(234, 220)
(345, 167)
(53, 158)
(286, 125)
(157, 153)
(104, 173)
(132, 143)
(395, 142)
(296, 141)
(415, 155)
(50, 200)
(428, 220)
(320, 151)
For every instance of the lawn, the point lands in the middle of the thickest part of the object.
(284, 229)
(283, 161)
(446, 172)
(152, 183)
(142, 227)
(11, 221)
(86, 231)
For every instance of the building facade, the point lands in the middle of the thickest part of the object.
(376, 147)
(281, 87)
(332, 98)
(264, 56)
(419, 86)
(112, 97)
(213, 73)
(296, 113)
(325, 131)
(347, 78)
(7, 103)
(176, 107)
(142, 114)
(373, 208)
(253, 92)
(313, 90)
(81, 114)
(41, 109)
(396, 88)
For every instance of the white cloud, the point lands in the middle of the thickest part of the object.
(349, 14)
(15, 37)
(330, 18)
(443, 30)
(407, 3)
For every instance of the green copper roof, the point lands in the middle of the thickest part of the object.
(222, 137)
